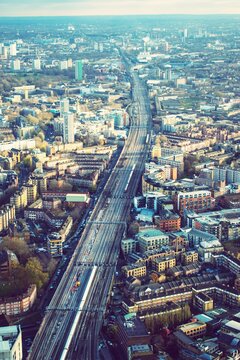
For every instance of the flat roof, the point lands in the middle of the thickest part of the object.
(233, 324)
(203, 318)
(151, 233)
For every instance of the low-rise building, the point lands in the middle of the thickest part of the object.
(194, 329)
(167, 221)
(136, 270)
(163, 263)
(227, 261)
(189, 257)
(203, 302)
(19, 304)
(131, 331)
(56, 239)
(128, 246)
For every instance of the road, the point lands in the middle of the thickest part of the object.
(74, 316)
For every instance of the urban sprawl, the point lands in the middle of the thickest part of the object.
(120, 188)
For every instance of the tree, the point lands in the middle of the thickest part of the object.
(32, 119)
(51, 266)
(35, 272)
(133, 228)
(18, 246)
(27, 161)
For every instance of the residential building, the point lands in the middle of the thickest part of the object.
(36, 64)
(227, 261)
(64, 107)
(203, 302)
(56, 239)
(68, 128)
(78, 70)
(31, 193)
(152, 239)
(163, 263)
(189, 257)
(128, 246)
(130, 331)
(197, 201)
(5, 264)
(167, 221)
(16, 65)
(137, 270)
(7, 216)
(20, 199)
(11, 343)
(19, 304)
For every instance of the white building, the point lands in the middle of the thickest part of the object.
(63, 65)
(13, 49)
(64, 106)
(11, 343)
(16, 65)
(36, 64)
(68, 128)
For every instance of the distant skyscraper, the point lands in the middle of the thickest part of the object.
(64, 107)
(168, 73)
(63, 65)
(13, 49)
(70, 63)
(185, 33)
(68, 128)
(78, 70)
(16, 65)
(37, 64)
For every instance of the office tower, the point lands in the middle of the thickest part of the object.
(37, 64)
(68, 128)
(16, 65)
(185, 33)
(13, 49)
(78, 70)
(64, 107)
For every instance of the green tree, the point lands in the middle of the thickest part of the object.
(18, 246)
(35, 272)
(133, 228)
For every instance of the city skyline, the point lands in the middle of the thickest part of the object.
(124, 7)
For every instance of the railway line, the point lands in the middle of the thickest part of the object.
(73, 318)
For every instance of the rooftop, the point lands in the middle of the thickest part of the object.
(151, 233)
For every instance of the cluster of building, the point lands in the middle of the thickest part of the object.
(187, 217)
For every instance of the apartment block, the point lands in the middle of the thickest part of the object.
(152, 239)
(128, 246)
(164, 263)
(11, 343)
(197, 201)
(7, 216)
(137, 270)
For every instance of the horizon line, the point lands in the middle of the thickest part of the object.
(119, 15)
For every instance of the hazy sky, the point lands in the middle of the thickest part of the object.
(116, 7)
